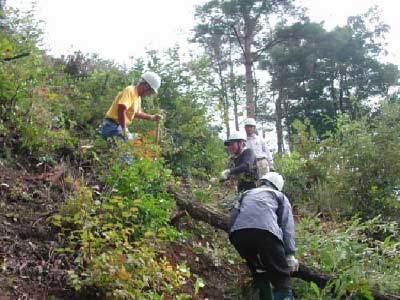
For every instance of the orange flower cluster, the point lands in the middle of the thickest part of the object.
(151, 133)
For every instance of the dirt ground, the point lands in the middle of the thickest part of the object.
(30, 266)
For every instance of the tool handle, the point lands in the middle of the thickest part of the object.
(158, 132)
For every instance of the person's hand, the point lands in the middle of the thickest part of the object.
(213, 180)
(225, 174)
(128, 135)
(271, 166)
(156, 117)
(293, 263)
(125, 133)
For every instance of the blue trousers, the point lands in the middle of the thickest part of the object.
(109, 129)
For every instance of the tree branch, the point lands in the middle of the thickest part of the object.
(17, 56)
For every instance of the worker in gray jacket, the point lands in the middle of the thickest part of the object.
(264, 159)
(262, 231)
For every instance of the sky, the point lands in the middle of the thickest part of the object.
(120, 29)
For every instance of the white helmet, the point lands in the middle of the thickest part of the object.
(153, 80)
(236, 136)
(250, 121)
(275, 178)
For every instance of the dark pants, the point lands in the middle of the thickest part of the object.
(263, 252)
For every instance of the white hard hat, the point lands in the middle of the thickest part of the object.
(236, 136)
(153, 80)
(250, 121)
(275, 178)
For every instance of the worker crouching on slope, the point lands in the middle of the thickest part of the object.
(243, 162)
(264, 159)
(262, 231)
(127, 105)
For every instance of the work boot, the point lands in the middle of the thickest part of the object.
(283, 295)
(264, 289)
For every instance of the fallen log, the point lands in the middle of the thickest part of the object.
(202, 212)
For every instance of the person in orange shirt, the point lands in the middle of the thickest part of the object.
(127, 105)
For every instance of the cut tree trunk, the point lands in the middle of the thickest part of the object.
(218, 220)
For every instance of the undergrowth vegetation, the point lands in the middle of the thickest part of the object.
(363, 255)
(120, 235)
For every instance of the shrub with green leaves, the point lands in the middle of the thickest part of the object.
(364, 255)
(353, 170)
(44, 144)
(120, 234)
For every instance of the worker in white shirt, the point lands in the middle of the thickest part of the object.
(264, 159)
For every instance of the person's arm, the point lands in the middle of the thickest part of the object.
(124, 101)
(122, 116)
(265, 149)
(247, 160)
(145, 116)
(286, 223)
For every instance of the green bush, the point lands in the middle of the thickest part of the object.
(120, 235)
(353, 170)
(46, 145)
(364, 255)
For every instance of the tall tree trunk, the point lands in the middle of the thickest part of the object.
(285, 114)
(278, 119)
(225, 115)
(233, 90)
(333, 96)
(341, 94)
(235, 109)
(249, 27)
(248, 63)
(255, 91)
(224, 85)
(224, 100)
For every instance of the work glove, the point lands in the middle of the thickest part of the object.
(293, 263)
(225, 174)
(128, 135)
(213, 180)
(131, 136)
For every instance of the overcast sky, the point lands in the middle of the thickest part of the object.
(119, 29)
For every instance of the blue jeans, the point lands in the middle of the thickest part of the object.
(109, 129)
